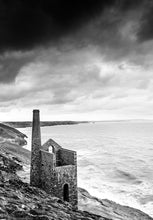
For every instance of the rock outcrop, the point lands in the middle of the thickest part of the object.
(11, 135)
(109, 209)
(20, 201)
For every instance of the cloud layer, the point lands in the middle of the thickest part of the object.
(77, 59)
(29, 24)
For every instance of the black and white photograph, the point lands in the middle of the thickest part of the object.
(76, 109)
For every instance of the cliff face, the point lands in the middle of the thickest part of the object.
(20, 201)
(12, 135)
(109, 209)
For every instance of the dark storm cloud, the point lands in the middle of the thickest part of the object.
(30, 23)
(25, 24)
(146, 23)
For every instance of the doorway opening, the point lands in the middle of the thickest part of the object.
(66, 192)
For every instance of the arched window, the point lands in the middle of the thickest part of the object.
(66, 192)
(51, 149)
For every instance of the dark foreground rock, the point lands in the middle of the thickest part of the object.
(18, 200)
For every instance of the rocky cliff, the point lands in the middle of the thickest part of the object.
(20, 201)
(109, 209)
(11, 135)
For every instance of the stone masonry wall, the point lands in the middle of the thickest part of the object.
(55, 172)
(35, 151)
(47, 170)
(54, 178)
(67, 174)
(56, 147)
(52, 143)
(67, 157)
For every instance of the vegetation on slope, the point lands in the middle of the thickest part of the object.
(12, 135)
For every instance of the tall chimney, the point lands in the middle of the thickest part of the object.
(35, 150)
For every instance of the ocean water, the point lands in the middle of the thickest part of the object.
(115, 159)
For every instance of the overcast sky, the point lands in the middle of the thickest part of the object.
(76, 59)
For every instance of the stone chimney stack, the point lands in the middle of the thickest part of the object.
(35, 151)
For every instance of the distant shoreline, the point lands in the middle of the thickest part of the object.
(24, 124)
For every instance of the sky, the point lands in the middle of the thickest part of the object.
(76, 59)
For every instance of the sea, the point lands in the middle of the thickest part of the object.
(115, 159)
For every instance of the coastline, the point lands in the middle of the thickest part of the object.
(26, 124)
(102, 207)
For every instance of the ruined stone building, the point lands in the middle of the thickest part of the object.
(53, 168)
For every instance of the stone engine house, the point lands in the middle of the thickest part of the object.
(53, 168)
